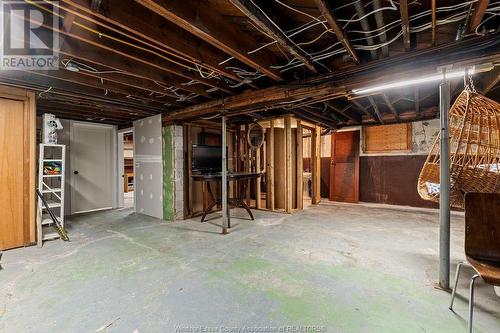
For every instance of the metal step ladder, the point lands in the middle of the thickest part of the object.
(51, 181)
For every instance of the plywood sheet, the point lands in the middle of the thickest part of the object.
(388, 138)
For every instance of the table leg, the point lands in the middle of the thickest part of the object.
(207, 211)
(214, 202)
(241, 200)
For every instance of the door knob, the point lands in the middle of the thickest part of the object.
(76, 172)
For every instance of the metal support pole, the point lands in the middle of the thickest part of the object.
(444, 180)
(225, 223)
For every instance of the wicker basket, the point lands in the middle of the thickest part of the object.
(474, 151)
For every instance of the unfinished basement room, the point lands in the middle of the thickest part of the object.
(293, 166)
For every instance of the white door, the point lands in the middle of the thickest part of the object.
(148, 168)
(91, 167)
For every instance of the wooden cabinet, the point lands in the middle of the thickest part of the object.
(17, 167)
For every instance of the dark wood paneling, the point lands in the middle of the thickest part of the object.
(392, 180)
(344, 167)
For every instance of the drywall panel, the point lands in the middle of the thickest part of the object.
(148, 166)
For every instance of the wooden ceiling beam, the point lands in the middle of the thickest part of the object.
(361, 107)
(139, 24)
(257, 16)
(104, 85)
(314, 117)
(327, 12)
(490, 80)
(391, 107)
(80, 33)
(341, 83)
(376, 109)
(147, 86)
(434, 21)
(101, 57)
(99, 108)
(44, 83)
(479, 9)
(81, 116)
(198, 18)
(355, 119)
(77, 111)
(405, 23)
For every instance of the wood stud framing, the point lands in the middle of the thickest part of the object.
(270, 167)
(300, 166)
(316, 165)
(288, 164)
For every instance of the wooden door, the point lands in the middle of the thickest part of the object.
(14, 220)
(344, 167)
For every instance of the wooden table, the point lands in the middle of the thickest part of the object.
(237, 201)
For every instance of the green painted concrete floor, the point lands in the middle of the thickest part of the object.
(333, 268)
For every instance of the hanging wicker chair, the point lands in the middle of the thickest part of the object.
(474, 151)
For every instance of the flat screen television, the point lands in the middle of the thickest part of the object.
(206, 159)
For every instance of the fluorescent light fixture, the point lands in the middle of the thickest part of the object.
(405, 83)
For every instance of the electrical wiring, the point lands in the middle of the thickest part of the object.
(484, 21)
(87, 68)
(392, 7)
(127, 35)
(100, 34)
(317, 57)
(300, 12)
(275, 25)
(40, 94)
(190, 83)
(211, 117)
(317, 38)
(413, 18)
(375, 47)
